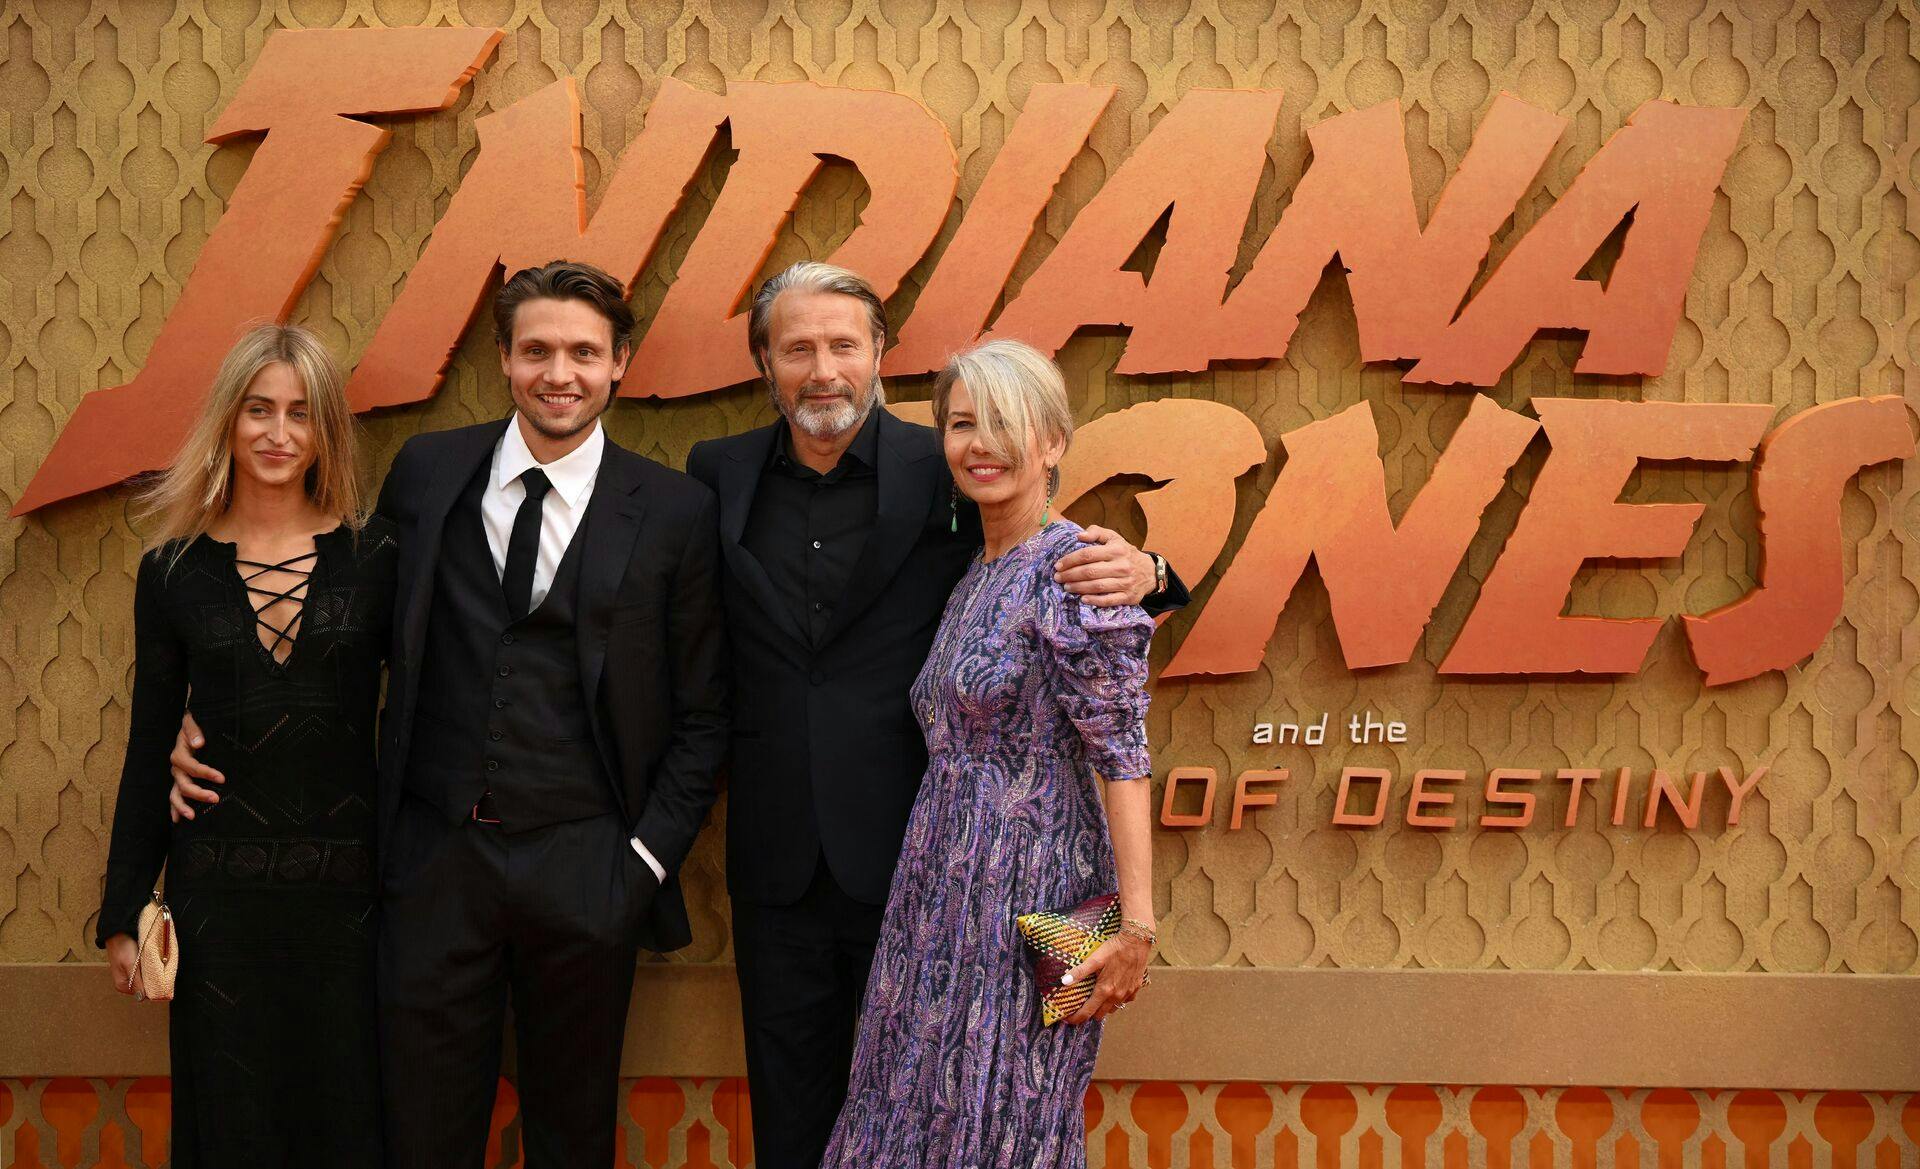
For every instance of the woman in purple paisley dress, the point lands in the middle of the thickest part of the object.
(1027, 697)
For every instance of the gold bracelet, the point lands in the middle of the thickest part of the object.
(1138, 929)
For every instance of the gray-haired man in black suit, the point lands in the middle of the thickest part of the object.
(841, 539)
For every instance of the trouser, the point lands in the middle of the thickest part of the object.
(803, 973)
(473, 917)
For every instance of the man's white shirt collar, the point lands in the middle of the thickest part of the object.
(572, 474)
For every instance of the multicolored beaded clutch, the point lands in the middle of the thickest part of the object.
(1061, 939)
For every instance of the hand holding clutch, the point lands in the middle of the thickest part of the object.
(1061, 940)
(1116, 972)
(1089, 961)
(123, 964)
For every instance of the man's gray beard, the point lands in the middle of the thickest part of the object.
(830, 421)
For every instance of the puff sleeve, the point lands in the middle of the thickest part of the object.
(1097, 660)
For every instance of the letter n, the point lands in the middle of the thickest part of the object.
(524, 203)
(1330, 504)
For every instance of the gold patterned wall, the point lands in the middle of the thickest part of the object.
(1801, 295)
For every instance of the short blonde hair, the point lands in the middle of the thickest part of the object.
(1018, 396)
(196, 489)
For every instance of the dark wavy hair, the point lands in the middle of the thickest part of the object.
(563, 280)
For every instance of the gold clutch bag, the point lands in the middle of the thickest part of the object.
(159, 951)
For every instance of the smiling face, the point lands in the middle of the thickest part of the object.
(822, 361)
(272, 437)
(993, 481)
(561, 365)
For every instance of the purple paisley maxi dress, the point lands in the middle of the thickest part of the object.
(1026, 694)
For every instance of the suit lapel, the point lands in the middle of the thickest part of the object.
(908, 483)
(450, 477)
(739, 478)
(609, 529)
(740, 475)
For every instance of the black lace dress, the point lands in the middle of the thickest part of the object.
(272, 890)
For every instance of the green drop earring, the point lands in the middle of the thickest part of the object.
(953, 508)
(1053, 488)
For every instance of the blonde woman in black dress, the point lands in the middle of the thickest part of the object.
(262, 606)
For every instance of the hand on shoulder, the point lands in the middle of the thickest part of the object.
(1100, 568)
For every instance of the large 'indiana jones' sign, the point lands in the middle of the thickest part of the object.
(523, 202)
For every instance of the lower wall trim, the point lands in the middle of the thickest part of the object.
(1561, 1028)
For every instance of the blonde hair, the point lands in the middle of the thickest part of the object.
(1018, 395)
(197, 488)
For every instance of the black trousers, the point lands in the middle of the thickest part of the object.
(803, 972)
(472, 917)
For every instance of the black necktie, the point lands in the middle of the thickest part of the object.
(523, 546)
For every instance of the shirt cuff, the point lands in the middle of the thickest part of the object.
(659, 873)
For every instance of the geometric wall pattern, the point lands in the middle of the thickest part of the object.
(1803, 293)
(705, 1124)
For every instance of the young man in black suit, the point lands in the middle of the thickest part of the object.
(556, 716)
(841, 537)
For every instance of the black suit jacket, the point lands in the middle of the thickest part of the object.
(826, 755)
(651, 640)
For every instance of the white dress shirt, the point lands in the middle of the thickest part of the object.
(572, 476)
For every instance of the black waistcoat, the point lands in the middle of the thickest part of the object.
(500, 703)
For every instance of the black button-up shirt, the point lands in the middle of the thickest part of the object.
(808, 529)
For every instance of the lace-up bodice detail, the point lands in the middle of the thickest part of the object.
(277, 611)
